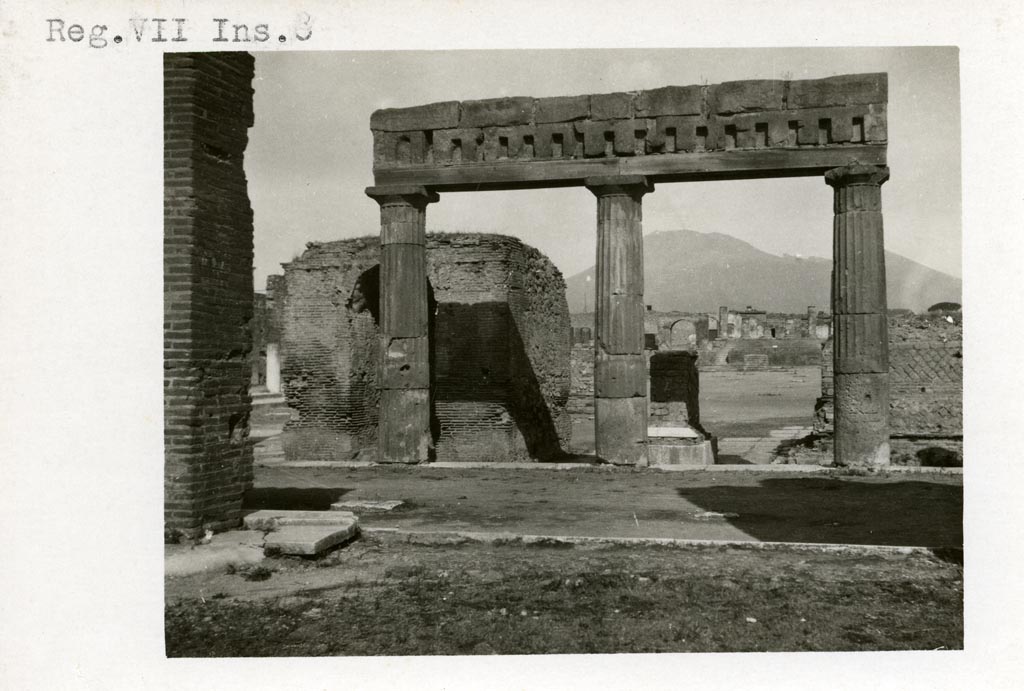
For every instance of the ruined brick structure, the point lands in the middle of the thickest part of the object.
(208, 289)
(926, 389)
(499, 349)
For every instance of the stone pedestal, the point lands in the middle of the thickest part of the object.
(404, 422)
(861, 341)
(273, 368)
(620, 375)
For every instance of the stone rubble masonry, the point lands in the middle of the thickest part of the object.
(925, 382)
(498, 354)
(751, 114)
(208, 290)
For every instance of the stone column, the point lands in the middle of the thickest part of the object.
(620, 373)
(723, 319)
(861, 340)
(404, 422)
(273, 371)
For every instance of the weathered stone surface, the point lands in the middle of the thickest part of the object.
(555, 141)
(371, 505)
(405, 426)
(405, 363)
(619, 376)
(404, 291)
(309, 540)
(504, 142)
(272, 519)
(611, 106)
(598, 137)
(844, 90)
(661, 453)
(497, 112)
(620, 324)
(670, 100)
(620, 430)
(679, 133)
(861, 343)
(433, 116)
(747, 95)
(673, 433)
(561, 109)
(454, 146)
(861, 419)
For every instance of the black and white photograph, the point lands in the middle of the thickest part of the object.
(429, 354)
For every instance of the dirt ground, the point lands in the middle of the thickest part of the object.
(379, 597)
(410, 585)
(751, 404)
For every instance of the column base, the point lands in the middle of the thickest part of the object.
(861, 416)
(405, 426)
(620, 430)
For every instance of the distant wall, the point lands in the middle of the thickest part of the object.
(499, 349)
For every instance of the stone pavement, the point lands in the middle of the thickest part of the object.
(778, 506)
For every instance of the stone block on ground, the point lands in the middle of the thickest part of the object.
(366, 505)
(309, 540)
(666, 452)
(273, 519)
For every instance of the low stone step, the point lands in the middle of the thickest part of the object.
(366, 505)
(308, 540)
(274, 519)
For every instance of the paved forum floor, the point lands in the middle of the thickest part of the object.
(901, 509)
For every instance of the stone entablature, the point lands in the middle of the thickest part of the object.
(814, 114)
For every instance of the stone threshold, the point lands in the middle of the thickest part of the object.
(440, 537)
(685, 467)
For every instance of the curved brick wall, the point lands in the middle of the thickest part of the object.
(500, 349)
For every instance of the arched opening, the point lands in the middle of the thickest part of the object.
(683, 335)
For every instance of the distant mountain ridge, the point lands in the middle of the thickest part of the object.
(698, 272)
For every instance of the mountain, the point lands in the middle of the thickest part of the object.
(697, 272)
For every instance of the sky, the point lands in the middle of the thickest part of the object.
(310, 152)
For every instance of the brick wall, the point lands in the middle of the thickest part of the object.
(499, 349)
(208, 289)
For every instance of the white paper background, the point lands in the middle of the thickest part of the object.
(81, 317)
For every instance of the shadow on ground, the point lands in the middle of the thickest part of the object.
(839, 510)
(292, 498)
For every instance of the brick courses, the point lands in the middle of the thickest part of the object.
(208, 289)
(499, 349)
(926, 385)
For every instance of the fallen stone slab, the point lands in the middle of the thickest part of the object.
(274, 519)
(366, 505)
(309, 540)
(234, 547)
